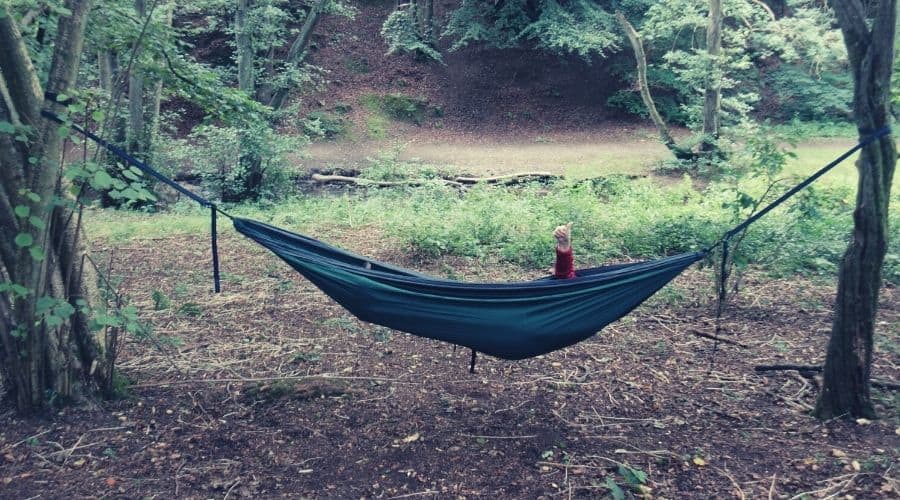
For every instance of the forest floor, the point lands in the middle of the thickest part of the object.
(269, 389)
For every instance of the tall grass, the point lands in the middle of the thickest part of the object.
(614, 218)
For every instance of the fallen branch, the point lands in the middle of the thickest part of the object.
(508, 178)
(323, 178)
(808, 370)
(719, 339)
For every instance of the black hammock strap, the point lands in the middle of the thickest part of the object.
(870, 136)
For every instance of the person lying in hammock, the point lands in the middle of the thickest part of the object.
(564, 267)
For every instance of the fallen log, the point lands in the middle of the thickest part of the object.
(509, 178)
(323, 178)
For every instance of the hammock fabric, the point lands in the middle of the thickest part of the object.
(506, 320)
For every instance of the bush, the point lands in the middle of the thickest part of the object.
(324, 125)
(214, 153)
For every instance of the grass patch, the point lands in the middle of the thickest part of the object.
(615, 218)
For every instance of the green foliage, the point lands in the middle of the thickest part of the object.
(397, 106)
(577, 27)
(803, 48)
(404, 35)
(324, 125)
(216, 154)
(797, 94)
(160, 301)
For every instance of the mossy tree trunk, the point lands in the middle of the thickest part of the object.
(870, 47)
(51, 355)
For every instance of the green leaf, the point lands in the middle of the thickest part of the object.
(24, 240)
(63, 131)
(7, 128)
(62, 97)
(37, 253)
(37, 222)
(33, 196)
(614, 490)
(97, 115)
(44, 304)
(632, 476)
(22, 210)
(102, 180)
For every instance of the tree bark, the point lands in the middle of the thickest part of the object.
(244, 46)
(298, 49)
(42, 362)
(641, 61)
(847, 370)
(136, 133)
(712, 93)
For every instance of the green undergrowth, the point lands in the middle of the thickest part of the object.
(613, 218)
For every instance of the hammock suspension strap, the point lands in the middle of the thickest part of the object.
(122, 154)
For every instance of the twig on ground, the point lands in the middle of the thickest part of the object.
(499, 437)
(738, 491)
(714, 337)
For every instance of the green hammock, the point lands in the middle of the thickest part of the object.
(506, 320)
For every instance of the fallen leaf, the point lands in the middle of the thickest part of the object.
(863, 421)
(411, 438)
(699, 461)
(855, 465)
(79, 463)
(111, 482)
(837, 453)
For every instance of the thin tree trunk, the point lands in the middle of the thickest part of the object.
(847, 370)
(105, 66)
(244, 43)
(641, 60)
(136, 126)
(428, 23)
(298, 49)
(712, 93)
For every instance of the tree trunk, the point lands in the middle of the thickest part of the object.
(428, 23)
(712, 94)
(298, 49)
(136, 139)
(244, 47)
(641, 61)
(42, 360)
(847, 370)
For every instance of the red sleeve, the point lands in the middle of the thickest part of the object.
(565, 267)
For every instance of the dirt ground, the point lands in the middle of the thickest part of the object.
(271, 390)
